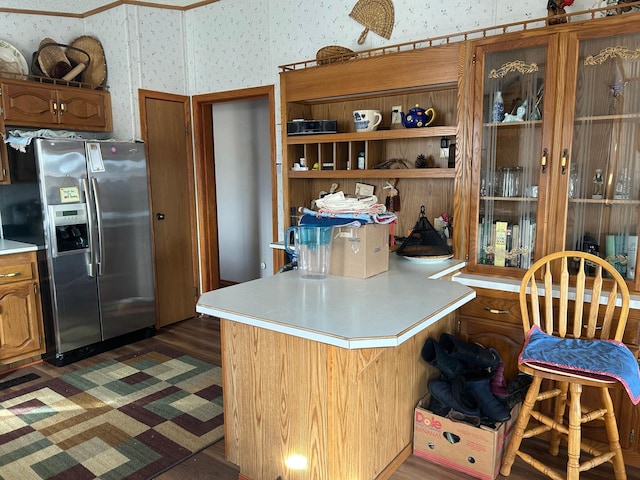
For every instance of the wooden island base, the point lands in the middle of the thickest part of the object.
(344, 413)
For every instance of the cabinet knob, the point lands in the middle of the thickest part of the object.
(543, 161)
(160, 216)
(563, 161)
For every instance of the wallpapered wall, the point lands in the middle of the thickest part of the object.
(234, 44)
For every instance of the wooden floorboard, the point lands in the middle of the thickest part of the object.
(200, 337)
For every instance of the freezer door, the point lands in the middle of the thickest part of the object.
(76, 315)
(118, 179)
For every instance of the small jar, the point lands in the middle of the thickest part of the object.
(361, 162)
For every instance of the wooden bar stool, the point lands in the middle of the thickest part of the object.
(561, 319)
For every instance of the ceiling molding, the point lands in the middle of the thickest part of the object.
(108, 6)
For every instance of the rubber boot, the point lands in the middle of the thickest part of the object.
(433, 354)
(470, 352)
(489, 405)
(498, 384)
(459, 401)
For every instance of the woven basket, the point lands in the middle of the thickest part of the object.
(96, 72)
(376, 15)
(333, 53)
(52, 60)
(45, 56)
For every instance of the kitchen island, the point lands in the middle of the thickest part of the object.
(321, 377)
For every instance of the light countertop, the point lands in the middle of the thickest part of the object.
(380, 311)
(10, 246)
(513, 285)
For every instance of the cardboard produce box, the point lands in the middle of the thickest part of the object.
(360, 252)
(475, 451)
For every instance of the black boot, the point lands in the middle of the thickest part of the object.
(472, 353)
(489, 405)
(434, 355)
(454, 398)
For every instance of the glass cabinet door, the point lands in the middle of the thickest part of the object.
(602, 180)
(514, 128)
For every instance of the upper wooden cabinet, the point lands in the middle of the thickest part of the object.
(5, 178)
(33, 104)
(426, 77)
(562, 170)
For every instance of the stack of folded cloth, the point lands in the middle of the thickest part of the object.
(336, 209)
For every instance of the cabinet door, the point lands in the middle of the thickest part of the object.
(5, 177)
(29, 104)
(602, 133)
(84, 109)
(513, 131)
(20, 321)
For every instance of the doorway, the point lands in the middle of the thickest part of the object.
(165, 127)
(209, 108)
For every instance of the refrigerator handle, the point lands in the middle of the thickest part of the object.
(92, 256)
(96, 197)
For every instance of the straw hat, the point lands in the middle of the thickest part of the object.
(376, 15)
(96, 72)
(52, 60)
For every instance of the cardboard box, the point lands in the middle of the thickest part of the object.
(475, 451)
(360, 252)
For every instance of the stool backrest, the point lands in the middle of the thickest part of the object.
(575, 294)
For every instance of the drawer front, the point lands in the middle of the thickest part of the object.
(15, 273)
(494, 305)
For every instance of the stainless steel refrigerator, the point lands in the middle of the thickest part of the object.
(97, 234)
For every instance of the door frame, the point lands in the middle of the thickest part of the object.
(143, 95)
(202, 106)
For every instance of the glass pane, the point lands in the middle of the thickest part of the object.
(603, 209)
(511, 142)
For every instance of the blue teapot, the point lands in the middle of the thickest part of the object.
(418, 117)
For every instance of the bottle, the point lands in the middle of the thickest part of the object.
(623, 186)
(498, 107)
(361, 161)
(573, 181)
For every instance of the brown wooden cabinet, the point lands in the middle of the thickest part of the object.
(33, 104)
(5, 177)
(557, 170)
(428, 77)
(569, 95)
(20, 308)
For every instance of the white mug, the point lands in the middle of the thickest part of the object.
(366, 120)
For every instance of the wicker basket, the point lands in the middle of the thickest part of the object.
(333, 53)
(96, 72)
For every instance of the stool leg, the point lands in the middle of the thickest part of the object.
(575, 414)
(521, 425)
(613, 435)
(560, 407)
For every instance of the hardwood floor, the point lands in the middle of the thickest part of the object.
(200, 337)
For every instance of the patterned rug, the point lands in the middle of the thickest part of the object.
(128, 418)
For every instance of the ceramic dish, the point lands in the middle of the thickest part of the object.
(428, 260)
(11, 60)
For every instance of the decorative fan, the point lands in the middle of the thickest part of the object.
(376, 15)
